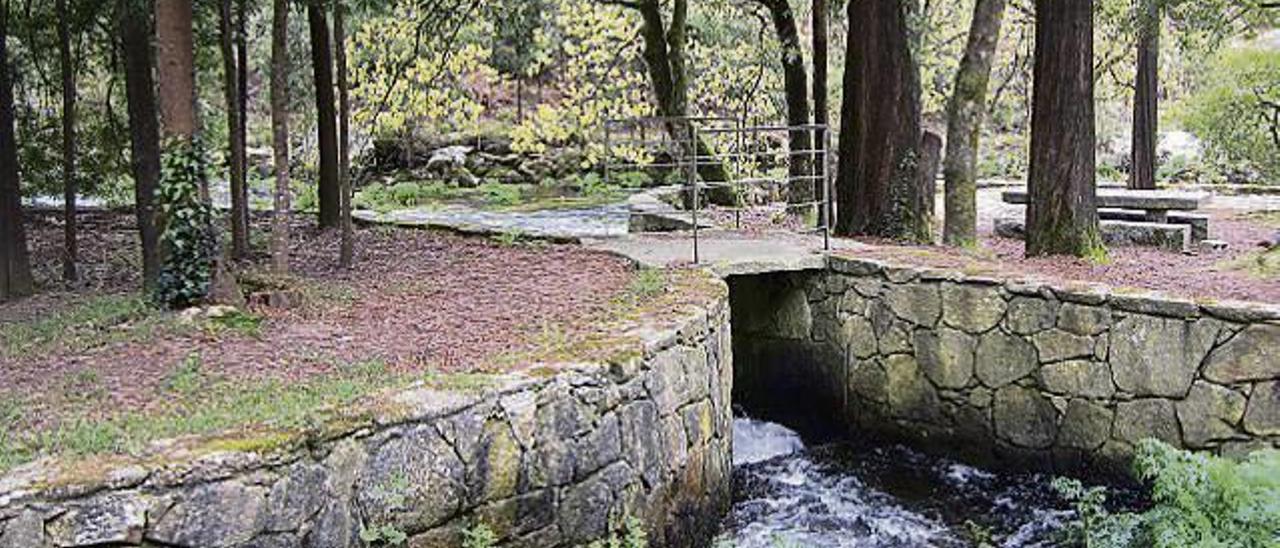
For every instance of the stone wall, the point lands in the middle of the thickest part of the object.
(1007, 372)
(544, 459)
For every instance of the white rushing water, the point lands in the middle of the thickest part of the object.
(789, 495)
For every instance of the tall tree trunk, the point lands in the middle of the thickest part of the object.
(242, 65)
(280, 134)
(821, 13)
(144, 129)
(880, 135)
(796, 84)
(664, 57)
(1142, 174)
(235, 150)
(344, 132)
(322, 69)
(175, 65)
(15, 266)
(1062, 216)
(965, 113)
(69, 186)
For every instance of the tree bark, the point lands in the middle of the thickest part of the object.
(144, 129)
(346, 249)
(242, 65)
(664, 57)
(796, 86)
(1062, 215)
(1142, 173)
(175, 65)
(927, 174)
(880, 135)
(329, 193)
(820, 25)
(15, 266)
(280, 134)
(69, 181)
(235, 144)
(965, 113)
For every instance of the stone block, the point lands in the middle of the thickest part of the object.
(1078, 378)
(1085, 425)
(1083, 320)
(1002, 359)
(1030, 315)
(1024, 418)
(1056, 345)
(919, 304)
(1209, 413)
(1251, 355)
(1158, 356)
(945, 356)
(1147, 418)
(1262, 416)
(971, 308)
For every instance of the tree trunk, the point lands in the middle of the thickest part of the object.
(820, 17)
(965, 113)
(15, 266)
(175, 65)
(344, 133)
(1062, 215)
(235, 150)
(242, 65)
(329, 193)
(1142, 174)
(69, 186)
(144, 130)
(280, 134)
(880, 135)
(927, 174)
(664, 56)
(796, 84)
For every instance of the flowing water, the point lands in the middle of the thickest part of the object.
(786, 494)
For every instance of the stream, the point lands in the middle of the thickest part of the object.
(787, 494)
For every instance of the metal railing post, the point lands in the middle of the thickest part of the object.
(693, 183)
(827, 209)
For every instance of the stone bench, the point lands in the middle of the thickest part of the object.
(1198, 222)
(1174, 237)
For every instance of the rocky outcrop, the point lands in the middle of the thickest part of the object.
(1023, 373)
(552, 458)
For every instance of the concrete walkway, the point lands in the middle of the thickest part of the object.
(727, 253)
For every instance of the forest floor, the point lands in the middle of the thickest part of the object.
(97, 368)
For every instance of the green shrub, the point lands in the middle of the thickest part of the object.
(632, 179)
(188, 238)
(1237, 113)
(479, 536)
(500, 194)
(1200, 501)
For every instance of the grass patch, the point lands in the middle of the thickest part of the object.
(200, 406)
(1269, 218)
(93, 323)
(1259, 264)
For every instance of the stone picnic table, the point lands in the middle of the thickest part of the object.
(1156, 204)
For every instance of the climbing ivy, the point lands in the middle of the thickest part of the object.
(188, 239)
